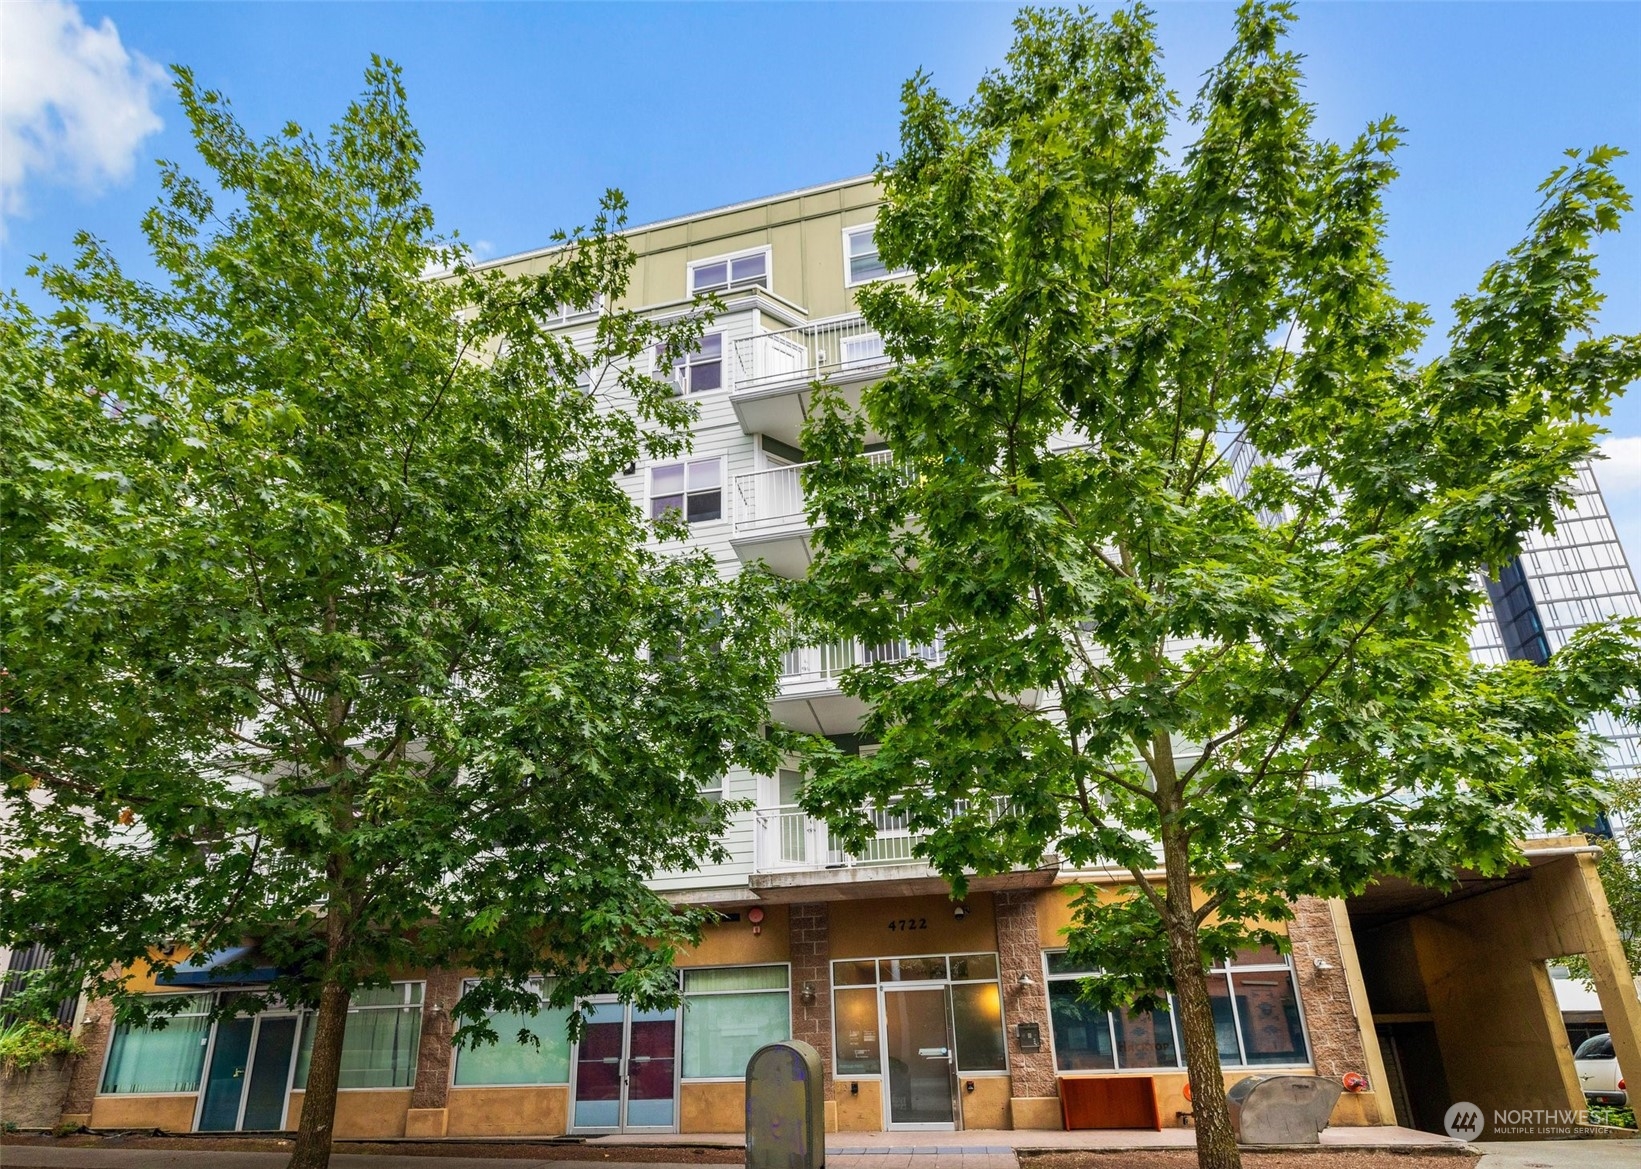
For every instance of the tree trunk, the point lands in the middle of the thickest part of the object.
(317, 1127)
(1216, 1140)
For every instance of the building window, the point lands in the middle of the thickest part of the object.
(379, 1046)
(698, 371)
(977, 1013)
(730, 1012)
(564, 314)
(976, 1009)
(160, 1059)
(1256, 1018)
(722, 273)
(712, 790)
(860, 259)
(543, 1060)
(695, 488)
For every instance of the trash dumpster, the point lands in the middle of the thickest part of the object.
(1282, 1110)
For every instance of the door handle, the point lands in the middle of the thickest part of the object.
(642, 1058)
(238, 1072)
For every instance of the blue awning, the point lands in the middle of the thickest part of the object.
(212, 971)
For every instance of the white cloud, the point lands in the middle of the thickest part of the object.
(1619, 473)
(74, 103)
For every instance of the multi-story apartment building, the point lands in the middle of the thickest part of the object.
(928, 1013)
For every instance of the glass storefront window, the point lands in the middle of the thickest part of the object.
(508, 1061)
(855, 1014)
(1269, 1013)
(1257, 1019)
(730, 1012)
(1145, 1040)
(977, 1019)
(1219, 996)
(1082, 1034)
(379, 1047)
(858, 973)
(966, 967)
(913, 969)
(160, 1059)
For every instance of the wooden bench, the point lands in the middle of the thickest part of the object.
(1109, 1102)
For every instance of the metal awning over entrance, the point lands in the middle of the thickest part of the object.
(234, 966)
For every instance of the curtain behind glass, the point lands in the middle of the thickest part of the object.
(378, 1048)
(149, 1059)
(721, 1031)
(510, 1062)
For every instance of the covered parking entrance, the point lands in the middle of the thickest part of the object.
(1461, 998)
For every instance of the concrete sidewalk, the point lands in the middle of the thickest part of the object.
(1608, 1154)
(43, 1157)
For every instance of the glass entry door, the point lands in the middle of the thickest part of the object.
(626, 1070)
(248, 1080)
(921, 1066)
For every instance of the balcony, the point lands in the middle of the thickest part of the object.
(811, 698)
(771, 374)
(796, 857)
(767, 520)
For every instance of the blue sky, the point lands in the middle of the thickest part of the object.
(528, 111)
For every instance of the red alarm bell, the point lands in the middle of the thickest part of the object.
(1355, 1082)
(756, 916)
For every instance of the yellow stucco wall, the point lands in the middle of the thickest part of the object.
(1054, 912)
(361, 1112)
(988, 1105)
(861, 929)
(732, 943)
(714, 1107)
(861, 1111)
(485, 1112)
(171, 1113)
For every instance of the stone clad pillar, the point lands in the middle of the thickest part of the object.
(811, 943)
(428, 1115)
(1336, 1009)
(1034, 1095)
(96, 1033)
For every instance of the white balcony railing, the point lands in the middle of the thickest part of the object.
(787, 837)
(773, 498)
(807, 353)
(811, 664)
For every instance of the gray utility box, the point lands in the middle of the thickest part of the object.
(1282, 1110)
(785, 1110)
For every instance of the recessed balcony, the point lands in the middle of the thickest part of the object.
(771, 375)
(768, 519)
(797, 857)
(812, 698)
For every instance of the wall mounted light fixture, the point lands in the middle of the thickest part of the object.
(806, 996)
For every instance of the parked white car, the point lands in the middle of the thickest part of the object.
(1598, 1072)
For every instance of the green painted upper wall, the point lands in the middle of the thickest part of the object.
(802, 229)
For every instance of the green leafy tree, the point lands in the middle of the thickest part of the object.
(1198, 535)
(327, 622)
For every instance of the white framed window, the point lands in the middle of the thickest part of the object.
(861, 263)
(712, 790)
(730, 1012)
(384, 1031)
(698, 371)
(725, 273)
(694, 487)
(159, 1060)
(564, 314)
(1257, 1019)
(509, 1062)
